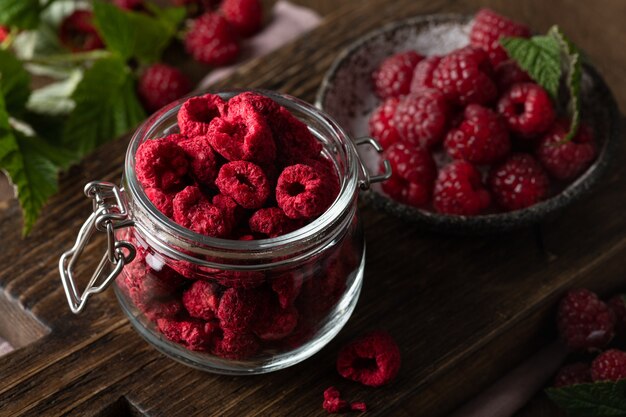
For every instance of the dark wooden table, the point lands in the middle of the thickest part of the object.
(464, 310)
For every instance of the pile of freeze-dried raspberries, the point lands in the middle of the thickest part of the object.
(242, 169)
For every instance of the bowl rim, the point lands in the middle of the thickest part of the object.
(492, 222)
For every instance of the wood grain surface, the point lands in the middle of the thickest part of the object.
(464, 310)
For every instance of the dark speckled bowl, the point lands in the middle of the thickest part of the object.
(346, 94)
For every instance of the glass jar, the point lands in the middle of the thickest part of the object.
(230, 306)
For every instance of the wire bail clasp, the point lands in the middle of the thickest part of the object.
(368, 178)
(109, 214)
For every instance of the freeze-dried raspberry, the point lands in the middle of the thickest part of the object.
(161, 164)
(294, 140)
(211, 40)
(193, 334)
(244, 182)
(393, 76)
(243, 136)
(333, 404)
(572, 374)
(382, 125)
(245, 16)
(161, 200)
(202, 300)
(78, 33)
(527, 109)
(238, 308)
(413, 174)
(272, 222)
(609, 366)
(372, 360)
(232, 211)
(275, 323)
(358, 406)
(235, 345)
(421, 118)
(481, 138)
(459, 190)
(423, 74)
(161, 84)
(202, 159)
(302, 192)
(464, 77)
(508, 73)
(287, 287)
(261, 104)
(193, 211)
(487, 30)
(196, 114)
(518, 182)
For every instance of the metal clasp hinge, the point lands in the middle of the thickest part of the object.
(369, 179)
(109, 214)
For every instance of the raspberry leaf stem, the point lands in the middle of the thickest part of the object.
(589, 400)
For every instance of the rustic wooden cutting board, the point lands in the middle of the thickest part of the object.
(464, 310)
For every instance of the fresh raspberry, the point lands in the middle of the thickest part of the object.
(382, 125)
(236, 345)
(193, 211)
(393, 76)
(566, 160)
(584, 321)
(609, 366)
(464, 77)
(196, 114)
(202, 300)
(161, 200)
(244, 182)
(413, 174)
(333, 404)
(272, 222)
(459, 190)
(487, 30)
(243, 136)
(245, 16)
(572, 374)
(518, 182)
(161, 84)
(4, 32)
(238, 309)
(212, 41)
(136, 5)
(481, 138)
(193, 334)
(423, 74)
(275, 323)
(78, 33)
(202, 160)
(526, 109)
(294, 140)
(372, 360)
(617, 304)
(287, 287)
(421, 118)
(302, 192)
(508, 73)
(358, 406)
(161, 164)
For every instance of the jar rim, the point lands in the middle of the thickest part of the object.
(342, 203)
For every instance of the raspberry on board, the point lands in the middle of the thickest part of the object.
(202, 299)
(527, 109)
(518, 182)
(459, 190)
(161, 164)
(333, 404)
(381, 123)
(572, 374)
(202, 160)
(584, 321)
(481, 138)
(393, 76)
(421, 118)
(372, 360)
(193, 210)
(566, 160)
(423, 74)
(303, 192)
(487, 30)
(358, 406)
(211, 40)
(272, 222)
(465, 76)
(244, 182)
(196, 114)
(413, 174)
(161, 84)
(245, 16)
(78, 33)
(609, 366)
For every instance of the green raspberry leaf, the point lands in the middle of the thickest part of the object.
(131, 34)
(106, 106)
(600, 399)
(21, 14)
(540, 57)
(14, 82)
(170, 16)
(29, 169)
